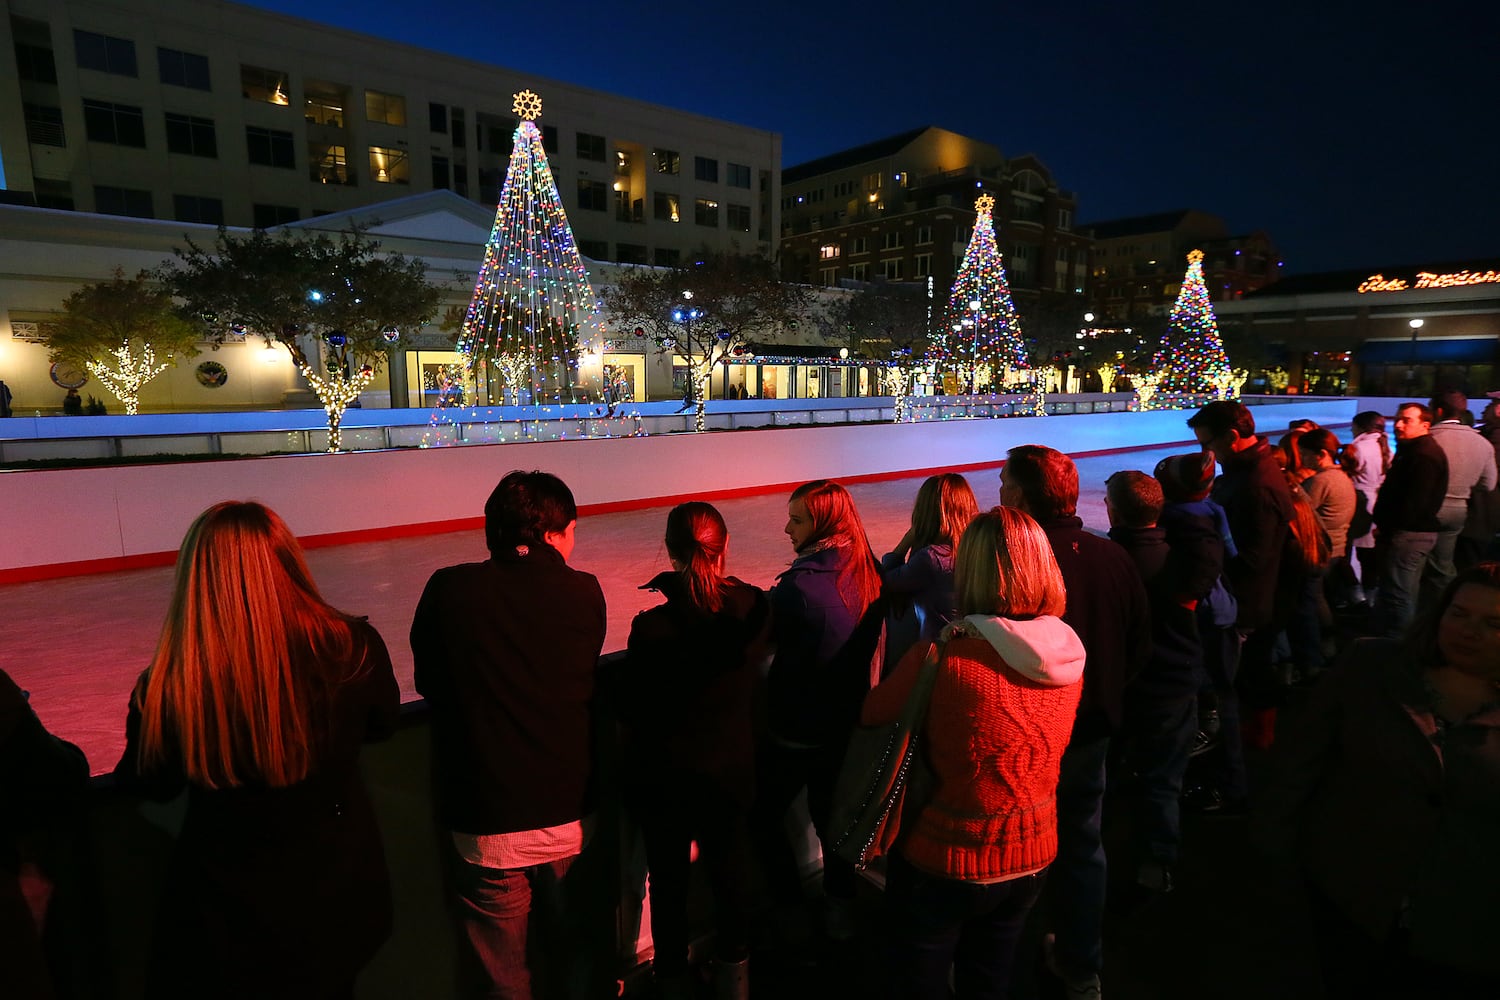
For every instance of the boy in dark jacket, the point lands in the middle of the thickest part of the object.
(505, 652)
(1161, 704)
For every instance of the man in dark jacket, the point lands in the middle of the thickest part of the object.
(1107, 607)
(505, 652)
(1161, 705)
(1406, 516)
(1255, 496)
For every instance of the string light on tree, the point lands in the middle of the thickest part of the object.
(131, 371)
(981, 327)
(533, 298)
(1191, 359)
(336, 391)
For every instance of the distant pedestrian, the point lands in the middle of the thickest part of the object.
(1471, 478)
(5, 398)
(72, 404)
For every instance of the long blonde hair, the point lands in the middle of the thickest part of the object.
(1005, 567)
(944, 507)
(239, 683)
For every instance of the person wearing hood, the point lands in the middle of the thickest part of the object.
(683, 694)
(970, 865)
(1108, 608)
(827, 626)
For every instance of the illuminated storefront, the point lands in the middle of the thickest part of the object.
(1403, 331)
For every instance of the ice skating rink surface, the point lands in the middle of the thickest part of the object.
(78, 644)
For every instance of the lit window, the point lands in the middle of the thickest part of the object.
(267, 85)
(389, 166)
(387, 108)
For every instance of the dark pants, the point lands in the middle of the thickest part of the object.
(1304, 630)
(935, 923)
(1224, 766)
(512, 923)
(1403, 555)
(1079, 875)
(671, 818)
(1160, 737)
(782, 773)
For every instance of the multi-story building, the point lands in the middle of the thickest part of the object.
(203, 111)
(1137, 264)
(1390, 331)
(902, 210)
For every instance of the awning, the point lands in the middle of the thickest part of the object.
(1429, 351)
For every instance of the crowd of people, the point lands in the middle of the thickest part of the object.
(1071, 668)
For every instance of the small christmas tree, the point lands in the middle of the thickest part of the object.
(533, 297)
(981, 333)
(1191, 359)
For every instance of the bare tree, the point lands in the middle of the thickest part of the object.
(706, 310)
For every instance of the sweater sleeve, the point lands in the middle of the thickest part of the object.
(428, 675)
(911, 577)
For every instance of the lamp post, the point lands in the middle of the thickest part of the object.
(684, 316)
(1411, 366)
(974, 307)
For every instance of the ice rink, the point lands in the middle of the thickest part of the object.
(78, 644)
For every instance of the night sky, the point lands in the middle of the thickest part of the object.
(1357, 135)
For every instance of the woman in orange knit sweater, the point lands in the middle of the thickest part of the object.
(969, 868)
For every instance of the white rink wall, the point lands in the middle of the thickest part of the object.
(70, 521)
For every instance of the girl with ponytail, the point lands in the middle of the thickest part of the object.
(684, 693)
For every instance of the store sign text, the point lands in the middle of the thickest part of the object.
(1427, 279)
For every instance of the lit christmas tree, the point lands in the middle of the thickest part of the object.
(533, 299)
(1191, 359)
(981, 335)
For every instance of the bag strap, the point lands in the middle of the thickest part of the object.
(914, 713)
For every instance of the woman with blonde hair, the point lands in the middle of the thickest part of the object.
(920, 568)
(826, 625)
(256, 702)
(968, 869)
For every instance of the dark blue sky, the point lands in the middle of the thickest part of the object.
(1360, 135)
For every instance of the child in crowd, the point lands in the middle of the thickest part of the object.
(918, 573)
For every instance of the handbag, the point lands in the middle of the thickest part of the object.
(883, 772)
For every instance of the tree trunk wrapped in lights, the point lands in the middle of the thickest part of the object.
(898, 378)
(1145, 388)
(130, 372)
(532, 303)
(336, 390)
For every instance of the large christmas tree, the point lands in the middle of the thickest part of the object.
(1191, 358)
(533, 299)
(981, 334)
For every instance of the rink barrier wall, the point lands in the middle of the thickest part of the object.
(69, 522)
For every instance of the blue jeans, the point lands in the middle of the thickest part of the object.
(1439, 569)
(1079, 874)
(1400, 577)
(1161, 735)
(935, 923)
(498, 908)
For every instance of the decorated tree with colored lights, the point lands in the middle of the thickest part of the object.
(338, 305)
(981, 332)
(1191, 359)
(706, 309)
(532, 303)
(114, 330)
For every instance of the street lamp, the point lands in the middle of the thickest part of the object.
(1411, 368)
(974, 306)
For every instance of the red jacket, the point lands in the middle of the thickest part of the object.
(1001, 713)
